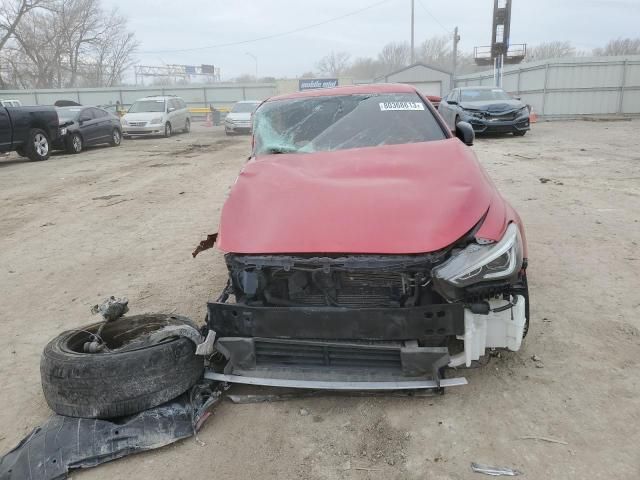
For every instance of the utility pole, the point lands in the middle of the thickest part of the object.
(456, 39)
(255, 59)
(413, 52)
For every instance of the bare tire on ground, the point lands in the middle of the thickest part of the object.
(130, 376)
(38, 146)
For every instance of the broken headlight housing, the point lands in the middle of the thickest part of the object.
(482, 263)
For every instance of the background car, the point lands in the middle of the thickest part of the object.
(238, 120)
(84, 126)
(487, 109)
(159, 115)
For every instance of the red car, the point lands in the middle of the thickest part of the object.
(366, 247)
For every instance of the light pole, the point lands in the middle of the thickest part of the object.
(255, 59)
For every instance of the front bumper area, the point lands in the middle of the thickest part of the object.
(143, 130)
(237, 127)
(358, 349)
(493, 125)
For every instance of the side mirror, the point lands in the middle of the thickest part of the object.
(517, 98)
(171, 109)
(464, 131)
(452, 102)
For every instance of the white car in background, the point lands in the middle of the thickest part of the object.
(161, 115)
(238, 120)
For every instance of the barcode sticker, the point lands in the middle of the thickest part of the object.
(396, 106)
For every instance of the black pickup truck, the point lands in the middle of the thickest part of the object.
(30, 131)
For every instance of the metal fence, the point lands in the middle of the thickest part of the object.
(570, 87)
(219, 95)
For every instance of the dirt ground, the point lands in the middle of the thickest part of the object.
(124, 221)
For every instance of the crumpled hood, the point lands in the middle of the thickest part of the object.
(394, 199)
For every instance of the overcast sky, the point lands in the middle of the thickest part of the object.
(165, 25)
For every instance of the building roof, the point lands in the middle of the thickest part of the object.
(349, 90)
(417, 64)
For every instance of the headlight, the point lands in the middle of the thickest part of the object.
(524, 111)
(156, 120)
(478, 263)
(63, 131)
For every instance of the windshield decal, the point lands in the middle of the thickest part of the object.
(400, 106)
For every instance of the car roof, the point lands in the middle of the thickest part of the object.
(249, 101)
(374, 88)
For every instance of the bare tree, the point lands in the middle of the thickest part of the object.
(71, 43)
(555, 49)
(114, 49)
(393, 56)
(11, 14)
(334, 64)
(436, 51)
(619, 46)
(365, 68)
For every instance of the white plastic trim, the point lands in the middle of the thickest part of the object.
(496, 330)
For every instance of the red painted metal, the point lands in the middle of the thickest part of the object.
(394, 199)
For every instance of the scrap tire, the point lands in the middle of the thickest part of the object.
(116, 384)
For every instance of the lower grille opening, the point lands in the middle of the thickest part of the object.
(274, 353)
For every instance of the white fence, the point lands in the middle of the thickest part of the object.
(219, 95)
(569, 87)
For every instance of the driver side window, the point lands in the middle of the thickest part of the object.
(86, 115)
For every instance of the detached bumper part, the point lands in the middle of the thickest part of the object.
(332, 365)
(498, 329)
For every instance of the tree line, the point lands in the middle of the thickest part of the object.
(63, 43)
(437, 51)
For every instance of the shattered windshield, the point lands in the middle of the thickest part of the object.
(326, 123)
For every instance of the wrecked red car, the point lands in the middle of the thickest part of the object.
(366, 248)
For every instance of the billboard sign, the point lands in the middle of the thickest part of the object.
(315, 83)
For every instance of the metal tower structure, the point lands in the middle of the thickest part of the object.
(501, 51)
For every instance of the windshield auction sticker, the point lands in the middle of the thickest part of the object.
(395, 106)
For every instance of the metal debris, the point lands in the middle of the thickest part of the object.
(205, 244)
(544, 439)
(494, 471)
(112, 308)
(63, 443)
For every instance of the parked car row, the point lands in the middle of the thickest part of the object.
(34, 132)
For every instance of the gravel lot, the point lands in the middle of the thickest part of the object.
(124, 221)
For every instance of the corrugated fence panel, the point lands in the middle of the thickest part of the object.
(532, 79)
(584, 76)
(99, 98)
(633, 75)
(572, 86)
(631, 102)
(581, 103)
(130, 96)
